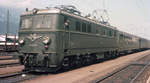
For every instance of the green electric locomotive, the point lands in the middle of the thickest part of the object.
(53, 38)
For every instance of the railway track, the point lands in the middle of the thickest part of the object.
(6, 58)
(127, 74)
(9, 64)
(17, 77)
(8, 55)
(8, 61)
(3, 57)
(136, 67)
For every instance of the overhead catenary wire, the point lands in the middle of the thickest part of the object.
(104, 4)
(142, 7)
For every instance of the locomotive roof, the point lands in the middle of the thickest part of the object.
(56, 10)
(60, 11)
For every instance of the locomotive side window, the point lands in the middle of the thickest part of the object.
(83, 27)
(65, 19)
(78, 26)
(103, 32)
(97, 31)
(127, 38)
(89, 28)
(107, 32)
(110, 33)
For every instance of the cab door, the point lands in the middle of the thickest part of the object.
(66, 34)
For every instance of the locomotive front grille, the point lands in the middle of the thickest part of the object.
(37, 61)
(30, 46)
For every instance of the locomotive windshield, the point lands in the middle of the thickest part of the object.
(36, 21)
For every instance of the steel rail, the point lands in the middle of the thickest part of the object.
(142, 70)
(2, 76)
(10, 65)
(122, 68)
(112, 73)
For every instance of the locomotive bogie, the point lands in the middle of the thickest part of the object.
(39, 62)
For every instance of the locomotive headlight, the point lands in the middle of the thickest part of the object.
(21, 41)
(46, 40)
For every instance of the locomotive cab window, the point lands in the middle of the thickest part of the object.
(42, 21)
(36, 21)
(26, 22)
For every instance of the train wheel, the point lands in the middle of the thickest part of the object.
(93, 58)
(83, 62)
(106, 55)
(113, 54)
(88, 59)
(65, 63)
(117, 53)
(78, 61)
(72, 61)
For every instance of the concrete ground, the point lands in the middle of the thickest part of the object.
(89, 73)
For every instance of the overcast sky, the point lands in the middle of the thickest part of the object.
(131, 16)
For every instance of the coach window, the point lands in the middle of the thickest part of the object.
(115, 33)
(121, 36)
(89, 28)
(78, 26)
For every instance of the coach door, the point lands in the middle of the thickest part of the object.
(66, 37)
